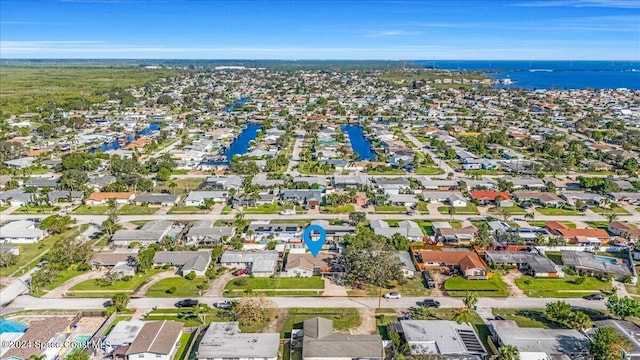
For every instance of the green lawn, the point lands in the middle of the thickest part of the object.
(386, 171)
(185, 340)
(459, 286)
(539, 223)
(90, 210)
(513, 210)
(429, 170)
(29, 209)
(345, 209)
(4, 207)
(561, 287)
(183, 185)
(484, 172)
(604, 225)
(226, 210)
(314, 282)
(184, 288)
(137, 210)
(423, 207)
(62, 277)
(390, 209)
(30, 253)
(555, 256)
(131, 285)
(265, 209)
(427, 226)
(343, 318)
(558, 211)
(208, 316)
(413, 287)
(470, 209)
(187, 210)
(527, 318)
(616, 210)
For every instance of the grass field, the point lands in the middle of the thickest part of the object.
(226, 210)
(4, 207)
(343, 318)
(527, 318)
(459, 286)
(616, 210)
(470, 209)
(562, 288)
(604, 225)
(413, 287)
(183, 185)
(189, 321)
(136, 210)
(558, 211)
(30, 209)
(184, 288)
(187, 210)
(93, 284)
(386, 171)
(90, 210)
(69, 87)
(390, 209)
(185, 340)
(428, 170)
(513, 210)
(314, 282)
(266, 209)
(345, 209)
(30, 254)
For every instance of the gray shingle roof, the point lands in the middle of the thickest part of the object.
(187, 260)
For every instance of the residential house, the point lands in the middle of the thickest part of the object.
(576, 236)
(98, 183)
(335, 233)
(344, 182)
(311, 181)
(590, 199)
(108, 260)
(406, 228)
(21, 232)
(626, 198)
(157, 339)
(306, 265)
(309, 198)
(392, 185)
(150, 233)
(538, 343)
(320, 342)
(260, 263)
(43, 182)
(546, 199)
(489, 197)
(15, 197)
(224, 340)
(47, 333)
(529, 183)
(625, 230)
(406, 264)
(466, 262)
(122, 335)
(186, 261)
(223, 182)
(197, 198)
(204, 232)
(453, 235)
(264, 229)
(584, 262)
(157, 200)
(57, 196)
(529, 263)
(102, 198)
(403, 199)
(441, 337)
(457, 200)
(20, 163)
(437, 184)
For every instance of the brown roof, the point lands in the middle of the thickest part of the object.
(157, 337)
(307, 261)
(41, 331)
(466, 259)
(620, 225)
(97, 196)
(455, 231)
(110, 259)
(558, 228)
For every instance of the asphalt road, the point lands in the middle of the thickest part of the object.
(441, 164)
(32, 303)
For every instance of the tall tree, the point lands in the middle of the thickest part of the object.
(608, 345)
(120, 301)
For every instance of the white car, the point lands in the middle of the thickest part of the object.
(392, 295)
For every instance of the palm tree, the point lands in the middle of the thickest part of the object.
(470, 300)
(172, 186)
(580, 321)
(239, 218)
(509, 352)
(611, 217)
(452, 211)
(529, 216)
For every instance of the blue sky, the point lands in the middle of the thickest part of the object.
(307, 29)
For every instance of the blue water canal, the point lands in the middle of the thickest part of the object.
(231, 107)
(115, 145)
(240, 145)
(359, 143)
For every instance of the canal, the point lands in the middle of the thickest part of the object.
(241, 143)
(115, 145)
(231, 107)
(359, 143)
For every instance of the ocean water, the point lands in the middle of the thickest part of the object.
(553, 74)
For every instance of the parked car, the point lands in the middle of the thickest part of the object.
(392, 295)
(594, 297)
(187, 303)
(241, 272)
(499, 318)
(430, 303)
(223, 304)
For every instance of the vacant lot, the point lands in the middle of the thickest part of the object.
(137, 210)
(95, 288)
(90, 210)
(565, 288)
(616, 210)
(470, 209)
(312, 286)
(187, 210)
(30, 209)
(413, 287)
(343, 319)
(181, 286)
(559, 211)
(390, 209)
(527, 318)
(494, 287)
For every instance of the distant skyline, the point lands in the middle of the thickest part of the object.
(306, 29)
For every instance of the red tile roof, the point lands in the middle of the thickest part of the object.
(557, 228)
(490, 195)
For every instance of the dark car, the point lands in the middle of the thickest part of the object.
(594, 297)
(499, 317)
(430, 303)
(186, 303)
(241, 272)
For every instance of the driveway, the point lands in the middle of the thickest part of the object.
(141, 291)
(217, 286)
(62, 289)
(510, 280)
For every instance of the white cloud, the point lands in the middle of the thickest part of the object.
(392, 33)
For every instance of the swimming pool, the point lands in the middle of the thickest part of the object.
(11, 326)
(606, 259)
(81, 339)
